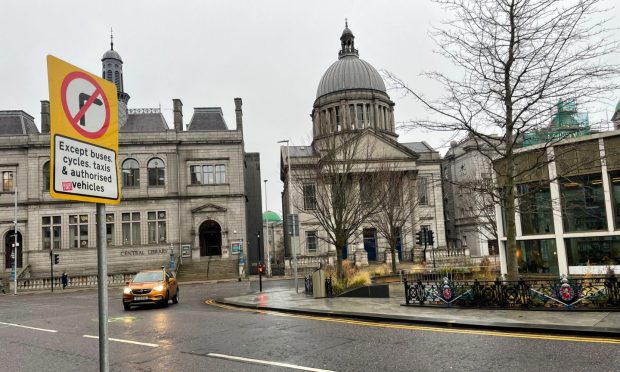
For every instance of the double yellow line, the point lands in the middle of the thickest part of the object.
(408, 327)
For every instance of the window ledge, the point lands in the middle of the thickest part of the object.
(208, 184)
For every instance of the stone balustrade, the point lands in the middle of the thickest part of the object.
(80, 281)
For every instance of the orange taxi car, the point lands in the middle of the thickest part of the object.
(151, 287)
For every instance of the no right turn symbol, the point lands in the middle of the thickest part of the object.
(85, 105)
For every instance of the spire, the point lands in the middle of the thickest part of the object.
(347, 42)
(111, 39)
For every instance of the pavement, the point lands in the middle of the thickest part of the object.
(391, 309)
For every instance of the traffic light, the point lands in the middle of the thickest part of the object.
(430, 238)
(419, 237)
(261, 268)
(56, 259)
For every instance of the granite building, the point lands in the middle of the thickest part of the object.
(183, 192)
(352, 103)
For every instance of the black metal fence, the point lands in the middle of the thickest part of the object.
(562, 293)
(309, 286)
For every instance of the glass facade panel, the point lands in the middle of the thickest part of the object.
(614, 180)
(535, 208)
(583, 203)
(537, 256)
(603, 250)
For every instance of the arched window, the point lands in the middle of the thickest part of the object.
(131, 173)
(46, 176)
(109, 77)
(156, 172)
(117, 78)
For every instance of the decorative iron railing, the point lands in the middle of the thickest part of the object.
(144, 110)
(563, 293)
(329, 289)
(309, 286)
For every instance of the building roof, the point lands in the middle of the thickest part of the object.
(112, 54)
(618, 106)
(207, 118)
(297, 151)
(419, 147)
(350, 72)
(270, 216)
(146, 122)
(16, 122)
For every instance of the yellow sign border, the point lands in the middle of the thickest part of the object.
(61, 126)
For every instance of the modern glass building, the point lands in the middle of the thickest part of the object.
(567, 207)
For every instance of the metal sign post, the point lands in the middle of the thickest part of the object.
(15, 247)
(84, 159)
(102, 286)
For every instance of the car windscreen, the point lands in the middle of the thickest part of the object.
(155, 276)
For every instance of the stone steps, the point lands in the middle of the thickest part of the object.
(213, 269)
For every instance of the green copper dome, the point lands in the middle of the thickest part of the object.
(270, 216)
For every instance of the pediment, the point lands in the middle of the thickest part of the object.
(370, 145)
(209, 208)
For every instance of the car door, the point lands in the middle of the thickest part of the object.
(172, 282)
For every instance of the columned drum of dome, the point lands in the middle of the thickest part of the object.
(351, 95)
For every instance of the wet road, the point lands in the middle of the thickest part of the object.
(195, 336)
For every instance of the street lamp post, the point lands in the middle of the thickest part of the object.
(266, 236)
(290, 203)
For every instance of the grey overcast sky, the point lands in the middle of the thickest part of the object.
(270, 53)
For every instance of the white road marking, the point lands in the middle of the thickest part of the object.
(125, 341)
(266, 362)
(34, 328)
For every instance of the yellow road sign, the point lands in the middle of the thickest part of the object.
(83, 135)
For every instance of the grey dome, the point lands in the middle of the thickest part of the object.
(350, 72)
(111, 54)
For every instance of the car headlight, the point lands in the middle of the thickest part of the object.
(159, 288)
(127, 290)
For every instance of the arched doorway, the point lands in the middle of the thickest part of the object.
(9, 240)
(210, 238)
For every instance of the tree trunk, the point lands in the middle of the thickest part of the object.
(339, 271)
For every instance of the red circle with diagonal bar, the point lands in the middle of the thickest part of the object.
(81, 94)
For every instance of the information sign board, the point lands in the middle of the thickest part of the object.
(83, 135)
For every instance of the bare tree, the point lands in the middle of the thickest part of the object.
(515, 59)
(396, 206)
(334, 188)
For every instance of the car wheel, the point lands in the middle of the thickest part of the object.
(175, 299)
(165, 303)
(127, 307)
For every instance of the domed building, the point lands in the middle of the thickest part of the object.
(274, 243)
(352, 110)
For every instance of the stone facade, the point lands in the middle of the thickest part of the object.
(351, 103)
(470, 228)
(182, 190)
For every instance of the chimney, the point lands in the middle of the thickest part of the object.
(177, 109)
(45, 117)
(239, 114)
